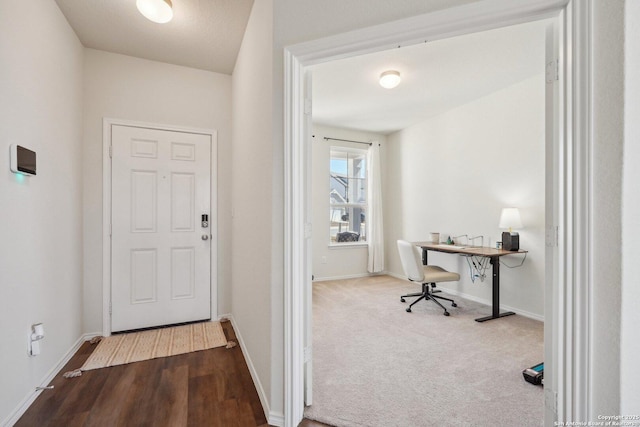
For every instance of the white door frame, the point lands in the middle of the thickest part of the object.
(569, 394)
(107, 123)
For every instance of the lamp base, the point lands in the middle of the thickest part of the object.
(510, 241)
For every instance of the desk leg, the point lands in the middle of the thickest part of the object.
(495, 309)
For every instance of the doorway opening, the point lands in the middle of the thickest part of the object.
(453, 136)
(566, 390)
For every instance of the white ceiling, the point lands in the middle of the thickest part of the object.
(436, 77)
(204, 34)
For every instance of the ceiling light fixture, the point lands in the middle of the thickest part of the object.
(390, 79)
(160, 11)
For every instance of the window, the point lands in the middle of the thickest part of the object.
(347, 195)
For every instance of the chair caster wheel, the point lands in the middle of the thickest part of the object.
(409, 310)
(446, 313)
(402, 299)
(453, 304)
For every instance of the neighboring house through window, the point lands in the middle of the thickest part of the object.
(347, 195)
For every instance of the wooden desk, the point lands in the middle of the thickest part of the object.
(494, 258)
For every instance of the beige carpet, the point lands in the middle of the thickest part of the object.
(136, 346)
(377, 365)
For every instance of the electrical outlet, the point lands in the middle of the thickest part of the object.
(323, 260)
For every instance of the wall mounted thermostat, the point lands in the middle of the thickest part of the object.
(23, 160)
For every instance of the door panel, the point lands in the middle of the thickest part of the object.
(553, 192)
(144, 195)
(161, 272)
(182, 202)
(182, 277)
(308, 266)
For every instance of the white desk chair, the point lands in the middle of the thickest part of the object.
(425, 274)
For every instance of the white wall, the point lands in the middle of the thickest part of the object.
(252, 201)
(338, 262)
(608, 132)
(454, 172)
(303, 20)
(123, 87)
(40, 216)
(629, 342)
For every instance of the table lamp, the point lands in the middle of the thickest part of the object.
(510, 218)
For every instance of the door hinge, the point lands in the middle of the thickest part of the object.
(110, 308)
(552, 71)
(111, 151)
(308, 229)
(307, 354)
(552, 236)
(307, 106)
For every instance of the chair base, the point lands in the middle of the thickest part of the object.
(428, 294)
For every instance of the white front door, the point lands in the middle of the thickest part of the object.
(160, 247)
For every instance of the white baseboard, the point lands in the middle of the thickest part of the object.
(483, 301)
(31, 397)
(276, 419)
(273, 418)
(503, 307)
(397, 276)
(348, 276)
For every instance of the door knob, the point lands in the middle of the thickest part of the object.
(205, 237)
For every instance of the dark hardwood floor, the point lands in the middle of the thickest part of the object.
(203, 388)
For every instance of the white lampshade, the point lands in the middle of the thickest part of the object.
(159, 11)
(510, 218)
(390, 79)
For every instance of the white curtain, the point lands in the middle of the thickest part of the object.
(375, 235)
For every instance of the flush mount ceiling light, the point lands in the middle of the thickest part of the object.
(390, 79)
(159, 11)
